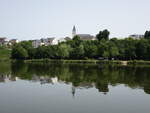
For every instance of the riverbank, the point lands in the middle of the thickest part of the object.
(75, 61)
(131, 62)
(92, 61)
(139, 62)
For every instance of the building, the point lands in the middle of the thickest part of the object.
(86, 37)
(45, 42)
(13, 41)
(3, 40)
(74, 31)
(82, 36)
(36, 43)
(136, 36)
(67, 38)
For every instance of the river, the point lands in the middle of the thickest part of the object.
(74, 88)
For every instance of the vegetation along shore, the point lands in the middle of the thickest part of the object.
(103, 49)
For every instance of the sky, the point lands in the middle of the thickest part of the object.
(35, 19)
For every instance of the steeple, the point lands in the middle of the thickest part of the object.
(73, 31)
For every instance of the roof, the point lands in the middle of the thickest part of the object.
(137, 36)
(86, 36)
(74, 28)
(67, 38)
(2, 38)
(13, 40)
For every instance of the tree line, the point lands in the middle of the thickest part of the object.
(102, 48)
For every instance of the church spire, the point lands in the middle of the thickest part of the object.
(73, 31)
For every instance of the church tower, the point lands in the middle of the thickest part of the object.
(74, 31)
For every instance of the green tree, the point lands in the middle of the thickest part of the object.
(113, 50)
(77, 52)
(103, 35)
(76, 41)
(130, 48)
(18, 52)
(142, 49)
(103, 48)
(64, 51)
(147, 35)
(90, 49)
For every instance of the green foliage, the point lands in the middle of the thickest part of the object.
(5, 53)
(19, 52)
(90, 49)
(147, 35)
(77, 52)
(103, 35)
(64, 51)
(103, 48)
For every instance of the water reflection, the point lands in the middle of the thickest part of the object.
(80, 76)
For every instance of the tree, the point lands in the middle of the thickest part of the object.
(103, 35)
(147, 35)
(103, 48)
(77, 52)
(63, 50)
(76, 41)
(90, 49)
(142, 49)
(130, 48)
(113, 50)
(32, 53)
(18, 52)
(40, 52)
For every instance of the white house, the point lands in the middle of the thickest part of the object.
(136, 36)
(13, 41)
(36, 43)
(45, 41)
(3, 40)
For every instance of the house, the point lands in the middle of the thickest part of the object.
(36, 43)
(45, 42)
(13, 41)
(136, 36)
(61, 40)
(3, 40)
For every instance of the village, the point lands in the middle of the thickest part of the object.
(54, 41)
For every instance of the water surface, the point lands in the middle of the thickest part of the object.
(73, 88)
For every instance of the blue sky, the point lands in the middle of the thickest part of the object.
(33, 19)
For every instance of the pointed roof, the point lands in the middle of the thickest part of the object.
(74, 28)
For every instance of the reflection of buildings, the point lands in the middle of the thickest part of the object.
(81, 86)
(73, 91)
(44, 79)
(101, 87)
(7, 78)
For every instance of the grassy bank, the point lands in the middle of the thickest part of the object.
(139, 62)
(75, 61)
(4, 54)
(132, 62)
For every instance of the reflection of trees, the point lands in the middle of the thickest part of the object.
(85, 76)
(5, 70)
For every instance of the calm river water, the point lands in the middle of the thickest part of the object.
(73, 88)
